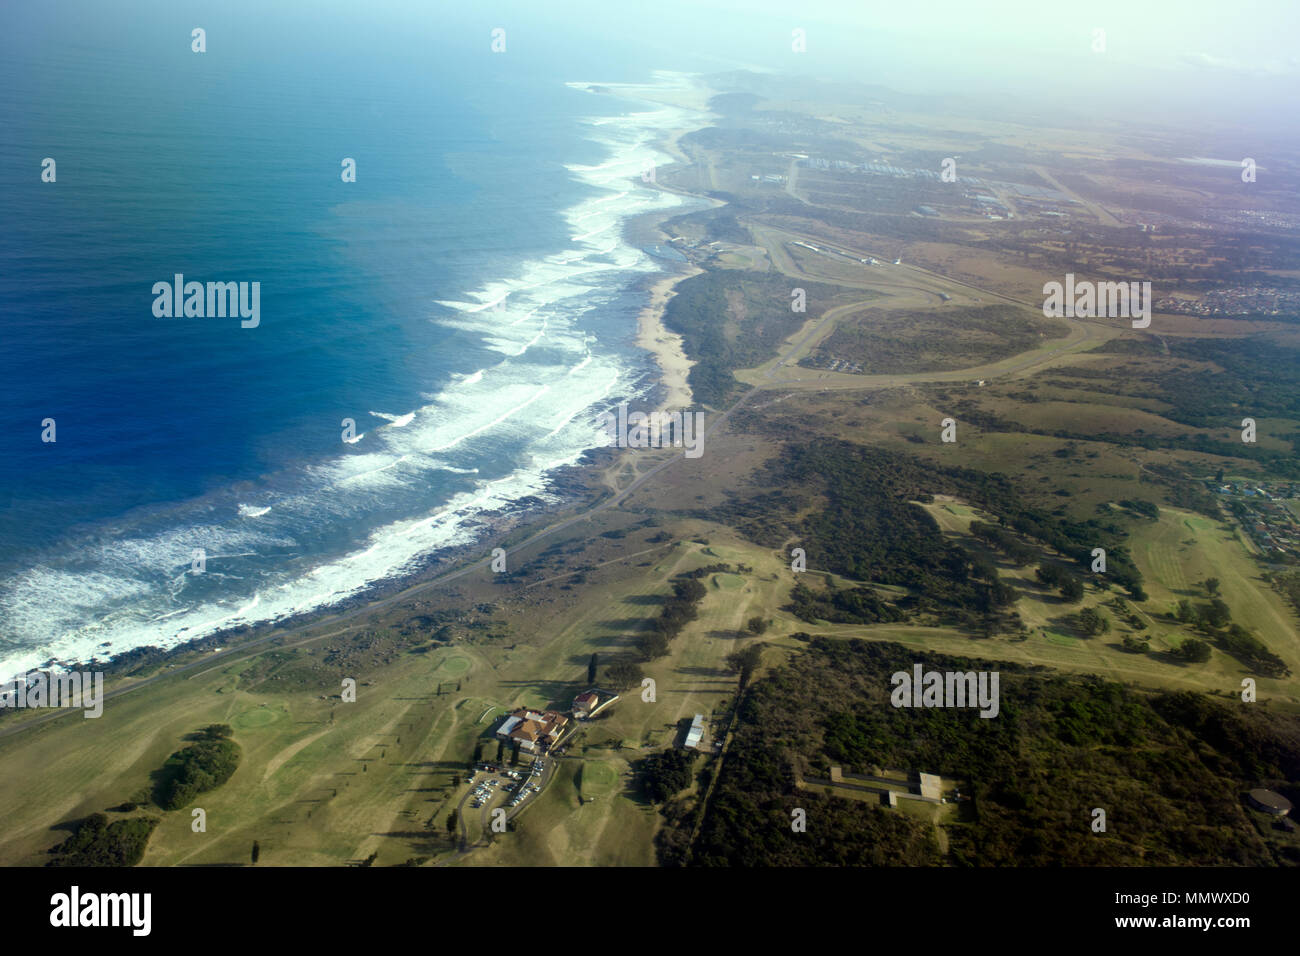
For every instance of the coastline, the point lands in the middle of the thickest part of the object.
(567, 488)
(666, 346)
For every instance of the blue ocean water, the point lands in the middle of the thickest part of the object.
(465, 302)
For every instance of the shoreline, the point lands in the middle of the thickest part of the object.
(665, 346)
(566, 488)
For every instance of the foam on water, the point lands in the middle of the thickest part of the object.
(395, 421)
(325, 532)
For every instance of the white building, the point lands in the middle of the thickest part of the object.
(696, 732)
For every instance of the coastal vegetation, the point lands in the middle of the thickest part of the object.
(202, 766)
(1170, 770)
(97, 842)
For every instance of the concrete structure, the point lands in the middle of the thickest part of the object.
(929, 787)
(926, 787)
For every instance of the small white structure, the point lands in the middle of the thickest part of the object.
(696, 732)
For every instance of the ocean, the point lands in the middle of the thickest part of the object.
(469, 303)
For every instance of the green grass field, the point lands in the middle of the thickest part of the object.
(598, 779)
(452, 667)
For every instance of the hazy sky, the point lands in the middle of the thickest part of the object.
(1178, 61)
(1237, 60)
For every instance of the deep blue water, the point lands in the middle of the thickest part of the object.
(174, 433)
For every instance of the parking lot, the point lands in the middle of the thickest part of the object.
(491, 786)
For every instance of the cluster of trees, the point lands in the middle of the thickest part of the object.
(1056, 576)
(1073, 538)
(198, 768)
(1034, 772)
(708, 569)
(745, 338)
(624, 674)
(1250, 650)
(1145, 508)
(100, 843)
(855, 503)
(1006, 542)
(678, 610)
(867, 528)
(1134, 619)
(1214, 619)
(666, 774)
(1288, 583)
(1092, 622)
(1193, 651)
(901, 341)
(853, 606)
(745, 661)
(1262, 375)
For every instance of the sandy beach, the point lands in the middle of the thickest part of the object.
(652, 335)
(664, 345)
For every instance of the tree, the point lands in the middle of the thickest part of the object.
(756, 625)
(216, 732)
(514, 752)
(501, 750)
(624, 674)
(1072, 589)
(1212, 585)
(591, 669)
(745, 661)
(1193, 650)
(452, 819)
(478, 755)
(257, 851)
(1216, 614)
(1135, 646)
(652, 645)
(1092, 622)
(667, 773)
(200, 767)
